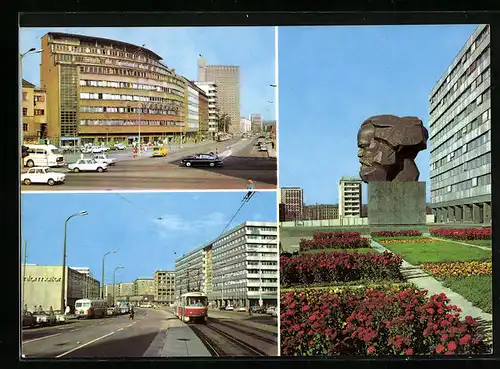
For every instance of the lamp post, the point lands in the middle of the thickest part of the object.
(63, 279)
(114, 281)
(102, 275)
(21, 56)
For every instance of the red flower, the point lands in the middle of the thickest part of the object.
(440, 348)
(452, 346)
(371, 349)
(305, 308)
(409, 351)
(465, 339)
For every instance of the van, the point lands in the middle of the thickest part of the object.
(43, 156)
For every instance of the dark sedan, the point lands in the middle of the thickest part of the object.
(202, 160)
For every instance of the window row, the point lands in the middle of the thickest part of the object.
(483, 180)
(133, 110)
(103, 122)
(152, 100)
(470, 165)
(127, 72)
(137, 86)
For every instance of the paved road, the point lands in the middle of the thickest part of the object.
(104, 338)
(147, 173)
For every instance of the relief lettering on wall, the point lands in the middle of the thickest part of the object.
(31, 278)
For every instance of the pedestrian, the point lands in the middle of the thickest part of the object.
(82, 155)
(51, 311)
(250, 185)
(68, 310)
(145, 150)
(216, 152)
(131, 313)
(40, 308)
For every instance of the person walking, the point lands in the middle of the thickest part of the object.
(67, 311)
(131, 313)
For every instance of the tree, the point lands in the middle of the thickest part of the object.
(223, 122)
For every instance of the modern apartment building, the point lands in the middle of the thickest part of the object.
(320, 212)
(164, 285)
(227, 79)
(192, 101)
(144, 287)
(292, 199)
(210, 89)
(107, 90)
(460, 135)
(111, 293)
(256, 120)
(126, 289)
(245, 125)
(350, 197)
(34, 113)
(190, 272)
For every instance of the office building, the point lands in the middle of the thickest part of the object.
(111, 293)
(460, 136)
(320, 212)
(164, 284)
(109, 91)
(144, 287)
(125, 291)
(227, 79)
(256, 120)
(292, 199)
(350, 197)
(189, 271)
(34, 113)
(245, 125)
(210, 90)
(194, 117)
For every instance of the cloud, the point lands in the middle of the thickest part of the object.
(170, 225)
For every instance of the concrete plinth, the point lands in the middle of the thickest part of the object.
(396, 204)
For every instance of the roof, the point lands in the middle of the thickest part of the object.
(105, 41)
(28, 84)
(350, 178)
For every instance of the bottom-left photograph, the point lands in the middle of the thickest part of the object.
(175, 274)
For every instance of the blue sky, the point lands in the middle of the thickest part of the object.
(129, 223)
(252, 48)
(333, 78)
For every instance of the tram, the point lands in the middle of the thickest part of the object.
(192, 307)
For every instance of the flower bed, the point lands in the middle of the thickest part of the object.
(462, 233)
(334, 243)
(323, 267)
(404, 233)
(458, 269)
(321, 235)
(375, 322)
(408, 240)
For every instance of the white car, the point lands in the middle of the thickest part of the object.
(103, 158)
(88, 165)
(272, 311)
(241, 309)
(120, 146)
(229, 308)
(42, 175)
(44, 318)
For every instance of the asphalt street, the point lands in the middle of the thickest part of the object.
(165, 173)
(104, 338)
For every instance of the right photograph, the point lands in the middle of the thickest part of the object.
(385, 190)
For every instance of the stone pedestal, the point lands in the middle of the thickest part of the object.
(396, 204)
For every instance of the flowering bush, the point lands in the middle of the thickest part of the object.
(408, 240)
(462, 233)
(321, 235)
(375, 323)
(334, 243)
(405, 233)
(323, 267)
(458, 269)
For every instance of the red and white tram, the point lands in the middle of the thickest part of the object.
(191, 307)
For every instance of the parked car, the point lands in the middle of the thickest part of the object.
(272, 311)
(229, 308)
(98, 149)
(159, 151)
(45, 318)
(210, 160)
(241, 309)
(222, 307)
(257, 309)
(104, 158)
(28, 319)
(42, 175)
(120, 146)
(86, 165)
(262, 147)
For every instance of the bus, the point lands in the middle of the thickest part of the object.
(87, 308)
(192, 307)
(43, 156)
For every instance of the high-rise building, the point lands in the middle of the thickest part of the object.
(192, 102)
(203, 113)
(227, 79)
(460, 135)
(350, 197)
(245, 125)
(210, 89)
(164, 284)
(320, 212)
(293, 200)
(100, 90)
(256, 120)
(144, 287)
(126, 289)
(34, 113)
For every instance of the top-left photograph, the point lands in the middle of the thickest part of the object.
(170, 108)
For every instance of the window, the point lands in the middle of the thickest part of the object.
(25, 96)
(25, 127)
(486, 115)
(25, 111)
(479, 100)
(39, 112)
(474, 182)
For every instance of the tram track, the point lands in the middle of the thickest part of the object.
(249, 330)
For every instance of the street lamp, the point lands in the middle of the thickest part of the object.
(63, 280)
(21, 56)
(102, 279)
(114, 281)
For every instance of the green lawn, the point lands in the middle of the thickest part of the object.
(362, 250)
(477, 289)
(486, 243)
(417, 253)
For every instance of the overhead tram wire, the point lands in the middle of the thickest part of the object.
(245, 200)
(139, 207)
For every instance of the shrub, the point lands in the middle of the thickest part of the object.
(408, 240)
(458, 269)
(462, 233)
(334, 243)
(323, 267)
(321, 235)
(405, 233)
(375, 323)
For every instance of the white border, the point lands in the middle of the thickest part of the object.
(140, 191)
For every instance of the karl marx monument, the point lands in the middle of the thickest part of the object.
(388, 146)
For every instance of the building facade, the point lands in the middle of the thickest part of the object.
(350, 197)
(34, 113)
(192, 109)
(189, 272)
(227, 79)
(164, 283)
(320, 212)
(111, 293)
(210, 89)
(144, 287)
(256, 120)
(460, 136)
(245, 125)
(106, 90)
(269, 126)
(41, 285)
(203, 116)
(292, 199)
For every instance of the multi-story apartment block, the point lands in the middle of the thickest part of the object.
(256, 120)
(34, 113)
(189, 272)
(111, 293)
(203, 116)
(192, 101)
(292, 199)
(245, 125)
(210, 89)
(101, 89)
(144, 287)
(164, 286)
(460, 135)
(350, 197)
(321, 212)
(126, 289)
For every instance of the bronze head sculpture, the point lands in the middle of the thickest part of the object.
(388, 146)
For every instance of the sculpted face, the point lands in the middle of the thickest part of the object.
(373, 155)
